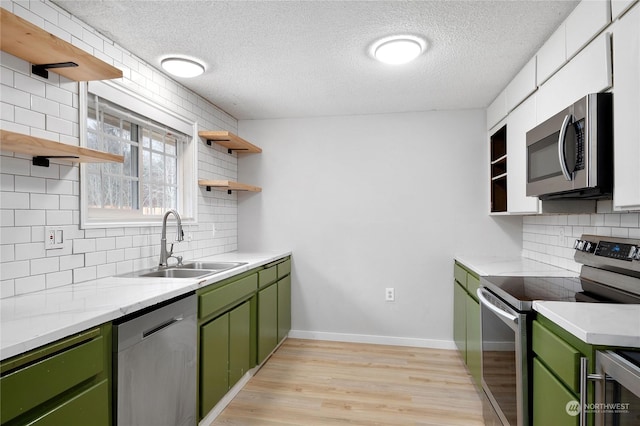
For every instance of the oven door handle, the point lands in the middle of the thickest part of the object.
(494, 308)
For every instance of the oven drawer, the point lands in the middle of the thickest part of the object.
(562, 358)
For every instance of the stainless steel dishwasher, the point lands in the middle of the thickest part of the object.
(155, 361)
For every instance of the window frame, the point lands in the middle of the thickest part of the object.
(187, 204)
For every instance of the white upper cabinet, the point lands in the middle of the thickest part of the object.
(519, 122)
(588, 72)
(523, 84)
(619, 6)
(626, 106)
(497, 110)
(552, 55)
(587, 20)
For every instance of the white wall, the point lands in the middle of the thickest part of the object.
(32, 197)
(368, 202)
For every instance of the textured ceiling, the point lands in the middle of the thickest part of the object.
(280, 59)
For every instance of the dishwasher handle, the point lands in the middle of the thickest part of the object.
(161, 326)
(494, 308)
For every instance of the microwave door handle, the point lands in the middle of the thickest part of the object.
(562, 140)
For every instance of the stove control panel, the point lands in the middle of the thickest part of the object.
(609, 249)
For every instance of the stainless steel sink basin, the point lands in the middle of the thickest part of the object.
(178, 273)
(216, 266)
(188, 270)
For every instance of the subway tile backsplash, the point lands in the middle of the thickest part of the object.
(33, 198)
(550, 238)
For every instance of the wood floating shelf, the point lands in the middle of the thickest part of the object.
(43, 150)
(228, 185)
(230, 141)
(45, 51)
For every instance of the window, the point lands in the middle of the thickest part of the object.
(157, 173)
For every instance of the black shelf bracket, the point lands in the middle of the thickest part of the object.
(229, 150)
(209, 189)
(41, 70)
(43, 161)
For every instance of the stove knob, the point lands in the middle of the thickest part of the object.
(589, 247)
(578, 244)
(632, 252)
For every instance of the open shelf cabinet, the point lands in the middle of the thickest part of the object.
(43, 149)
(498, 142)
(233, 143)
(46, 52)
(228, 185)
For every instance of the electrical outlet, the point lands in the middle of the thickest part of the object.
(53, 239)
(390, 294)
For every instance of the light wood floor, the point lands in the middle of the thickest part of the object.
(309, 382)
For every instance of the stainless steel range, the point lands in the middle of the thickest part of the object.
(610, 273)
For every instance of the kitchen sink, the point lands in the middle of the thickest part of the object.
(216, 266)
(178, 273)
(187, 270)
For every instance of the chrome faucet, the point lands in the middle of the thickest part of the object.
(164, 254)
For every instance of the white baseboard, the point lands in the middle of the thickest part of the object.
(378, 340)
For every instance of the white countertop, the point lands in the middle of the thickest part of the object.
(512, 266)
(31, 320)
(596, 323)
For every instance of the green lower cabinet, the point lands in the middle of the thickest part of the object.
(67, 382)
(214, 362)
(90, 407)
(553, 403)
(474, 349)
(239, 342)
(466, 321)
(225, 354)
(556, 374)
(460, 297)
(267, 321)
(284, 307)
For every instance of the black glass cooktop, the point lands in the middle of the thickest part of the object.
(520, 292)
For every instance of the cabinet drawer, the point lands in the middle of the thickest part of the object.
(29, 387)
(267, 276)
(214, 300)
(460, 275)
(562, 358)
(473, 284)
(90, 407)
(550, 399)
(284, 268)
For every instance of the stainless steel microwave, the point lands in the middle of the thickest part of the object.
(570, 155)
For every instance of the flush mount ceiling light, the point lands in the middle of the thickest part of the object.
(396, 50)
(181, 67)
